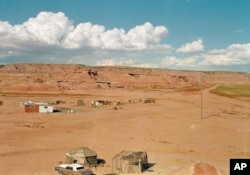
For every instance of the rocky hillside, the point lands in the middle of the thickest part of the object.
(65, 78)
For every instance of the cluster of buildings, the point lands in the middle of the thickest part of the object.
(42, 107)
(124, 162)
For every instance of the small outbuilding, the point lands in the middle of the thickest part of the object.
(30, 106)
(45, 108)
(130, 162)
(83, 155)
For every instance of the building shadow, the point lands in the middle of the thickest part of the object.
(56, 111)
(149, 167)
(100, 162)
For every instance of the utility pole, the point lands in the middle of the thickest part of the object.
(201, 97)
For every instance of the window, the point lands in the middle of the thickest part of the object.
(69, 168)
(79, 168)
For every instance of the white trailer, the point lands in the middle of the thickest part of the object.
(45, 109)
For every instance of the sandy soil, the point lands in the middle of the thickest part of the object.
(177, 131)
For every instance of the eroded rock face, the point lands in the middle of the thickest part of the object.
(198, 168)
(72, 77)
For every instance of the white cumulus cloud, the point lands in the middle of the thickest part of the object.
(179, 63)
(235, 54)
(55, 29)
(125, 62)
(53, 37)
(146, 65)
(143, 37)
(113, 62)
(46, 29)
(84, 35)
(195, 46)
(49, 27)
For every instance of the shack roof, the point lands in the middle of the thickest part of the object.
(85, 151)
(130, 155)
(133, 156)
(31, 103)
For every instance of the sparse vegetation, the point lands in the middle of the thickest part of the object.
(233, 90)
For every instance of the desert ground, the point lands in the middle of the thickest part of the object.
(181, 128)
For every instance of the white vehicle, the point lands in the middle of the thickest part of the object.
(73, 169)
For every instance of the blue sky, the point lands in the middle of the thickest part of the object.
(175, 34)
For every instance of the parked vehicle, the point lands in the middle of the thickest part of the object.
(73, 169)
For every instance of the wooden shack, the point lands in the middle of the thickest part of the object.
(130, 162)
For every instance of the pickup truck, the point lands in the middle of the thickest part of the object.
(73, 169)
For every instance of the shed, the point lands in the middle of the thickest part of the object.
(83, 155)
(130, 162)
(31, 108)
(45, 108)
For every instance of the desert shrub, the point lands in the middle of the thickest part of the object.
(80, 102)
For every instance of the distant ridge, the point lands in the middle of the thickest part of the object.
(73, 78)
